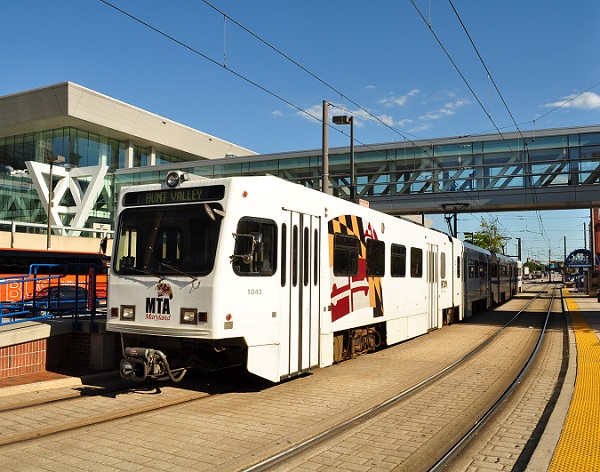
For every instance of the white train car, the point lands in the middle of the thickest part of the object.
(270, 274)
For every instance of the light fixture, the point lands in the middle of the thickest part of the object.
(172, 179)
(128, 312)
(189, 316)
(348, 120)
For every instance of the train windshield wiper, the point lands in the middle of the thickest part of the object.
(177, 270)
(145, 272)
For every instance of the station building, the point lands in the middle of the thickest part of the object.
(88, 137)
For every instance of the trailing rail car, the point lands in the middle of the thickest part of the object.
(277, 277)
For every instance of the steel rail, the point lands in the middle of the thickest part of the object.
(294, 450)
(473, 431)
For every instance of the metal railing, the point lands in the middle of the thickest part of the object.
(55, 291)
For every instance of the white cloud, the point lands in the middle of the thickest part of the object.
(585, 101)
(277, 113)
(404, 122)
(420, 128)
(315, 111)
(448, 109)
(387, 119)
(398, 101)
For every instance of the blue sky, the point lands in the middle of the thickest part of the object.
(380, 55)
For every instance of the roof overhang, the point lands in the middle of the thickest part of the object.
(71, 105)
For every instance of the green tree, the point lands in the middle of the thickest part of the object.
(489, 236)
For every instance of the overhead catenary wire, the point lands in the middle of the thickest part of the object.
(279, 97)
(493, 82)
(343, 95)
(451, 196)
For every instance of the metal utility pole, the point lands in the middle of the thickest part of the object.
(325, 182)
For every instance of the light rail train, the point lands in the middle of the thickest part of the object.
(280, 278)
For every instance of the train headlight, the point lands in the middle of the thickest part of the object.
(172, 179)
(189, 316)
(128, 312)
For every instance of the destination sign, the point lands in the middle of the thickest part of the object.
(181, 195)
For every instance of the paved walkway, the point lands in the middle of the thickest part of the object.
(577, 448)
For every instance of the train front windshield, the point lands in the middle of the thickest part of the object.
(174, 240)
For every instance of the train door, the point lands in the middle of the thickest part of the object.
(301, 294)
(432, 285)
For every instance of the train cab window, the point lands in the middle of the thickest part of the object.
(169, 245)
(398, 260)
(416, 262)
(156, 242)
(255, 247)
(345, 254)
(375, 258)
(443, 265)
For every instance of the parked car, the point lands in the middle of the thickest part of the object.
(58, 299)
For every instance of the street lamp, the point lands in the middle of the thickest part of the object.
(348, 120)
(52, 160)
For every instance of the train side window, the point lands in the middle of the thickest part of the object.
(316, 258)
(345, 254)
(471, 269)
(483, 263)
(494, 271)
(398, 260)
(306, 257)
(443, 265)
(416, 262)
(255, 247)
(283, 254)
(375, 258)
(295, 255)
(458, 267)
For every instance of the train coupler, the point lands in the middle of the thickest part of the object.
(140, 363)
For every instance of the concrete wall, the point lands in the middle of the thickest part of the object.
(57, 345)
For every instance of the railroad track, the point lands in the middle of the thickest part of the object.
(432, 447)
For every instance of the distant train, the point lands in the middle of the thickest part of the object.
(280, 278)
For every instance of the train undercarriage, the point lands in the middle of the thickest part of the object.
(171, 358)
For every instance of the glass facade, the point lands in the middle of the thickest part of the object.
(18, 198)
(79, 148)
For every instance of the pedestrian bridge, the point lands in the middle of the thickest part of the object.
(543, 169)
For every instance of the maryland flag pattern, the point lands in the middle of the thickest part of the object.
(164, 290)
(357, 291)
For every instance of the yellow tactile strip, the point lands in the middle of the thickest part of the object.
(579, 446)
